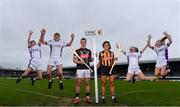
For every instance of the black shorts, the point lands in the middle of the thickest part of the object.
(106, 71)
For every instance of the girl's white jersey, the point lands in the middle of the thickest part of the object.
(133, 58)
(35, 51)
(162, 56)
(161, 52)
(35, 54)
(56, 48)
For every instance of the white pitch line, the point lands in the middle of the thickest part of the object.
(31, 92)
(133, 92)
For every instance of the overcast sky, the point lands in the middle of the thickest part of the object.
(125, 21)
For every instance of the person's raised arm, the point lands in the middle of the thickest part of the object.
(168, 36)
(149, 42)
(145, 47)
(29, 38)
(121, 49)
(72, 38)
(41, 40)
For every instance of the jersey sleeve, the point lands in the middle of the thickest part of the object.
(166, 46)
(139, 54)
(100, 58)
(49, 42)
(29, 49)
(126, 53)
(64, 44)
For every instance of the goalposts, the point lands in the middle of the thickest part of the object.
(94, 34)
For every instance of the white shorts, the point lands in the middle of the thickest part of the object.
(161, 62)
(83, 73)
(35, 64)
(55, 61)
(134, 70)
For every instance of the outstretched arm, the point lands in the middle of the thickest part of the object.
(145, 47)
(121, 49)
(41, 40)
(29, 38)
(72, 38)
(168, 36)
(149, 42)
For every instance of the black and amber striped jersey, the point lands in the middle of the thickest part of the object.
(106, 58)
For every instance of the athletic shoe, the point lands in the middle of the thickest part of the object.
(133, 79)
(18, 80)
(88, 100)
(32, 81)
(50, 84)
(61, 86)
(114, 100)
(76, 101)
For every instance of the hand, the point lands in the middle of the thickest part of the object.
(149, 36)
(43, 31)
(81, 62)
(165, 33)
(116, 58)
(30, 32)
(72, 36)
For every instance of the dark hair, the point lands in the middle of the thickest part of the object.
(107, 43)
(137, 50)
(56, 34)
(163, 39)
(83, 39)
(32, 41)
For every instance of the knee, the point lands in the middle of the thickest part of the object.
(87, 84)
(112, 84)
(48, 74)
(128, 79)
(39, 77)
(103, 83)
(78, 84)
(142, 78)
(163, 74)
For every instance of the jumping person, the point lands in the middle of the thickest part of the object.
(161, 49)
(34, 63)
(163, 41)
(56, 46)
(106, 60)
(133, 63)
(83, 73)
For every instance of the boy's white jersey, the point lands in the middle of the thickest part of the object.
(56, 47)
(35, 51)
(133, 58)
(161, 52)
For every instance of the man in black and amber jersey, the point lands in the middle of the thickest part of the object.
(83, 73)
(106, 60)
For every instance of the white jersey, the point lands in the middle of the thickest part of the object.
(161, 52)
(133, 58)
(35, 52)
(56, 47)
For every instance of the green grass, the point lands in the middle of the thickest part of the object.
(157, 93)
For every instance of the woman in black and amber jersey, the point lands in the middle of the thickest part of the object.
(106, 60)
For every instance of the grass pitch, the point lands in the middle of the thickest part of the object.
(142, 93)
